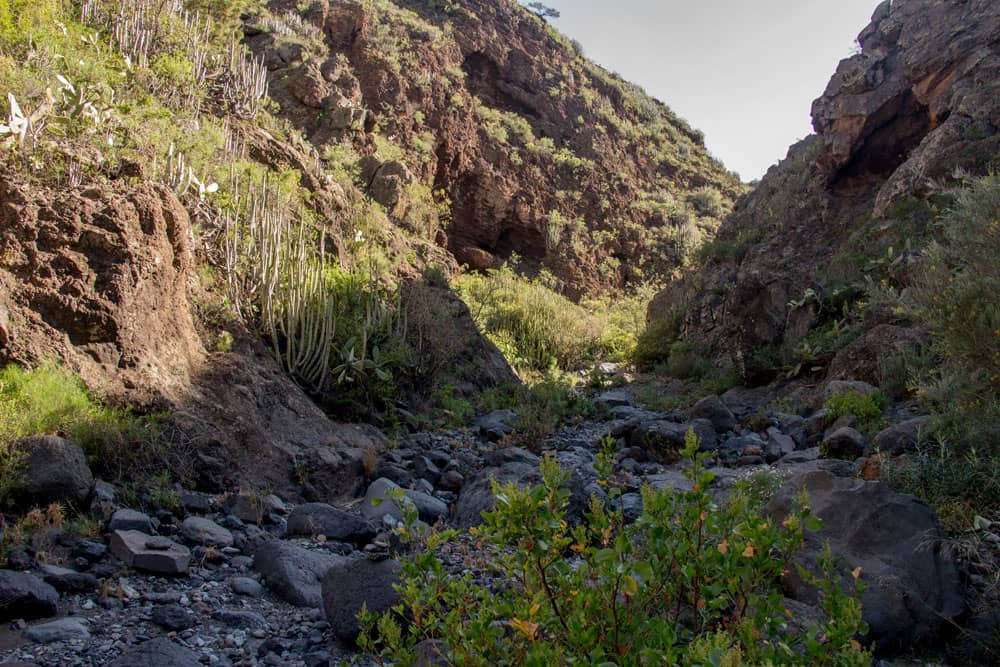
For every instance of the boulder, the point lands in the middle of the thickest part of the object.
(665, 439)
(61, 630)
(477, 492)
(496, 425)
(843, 443)
(126, 519)
(335, 524)
(25, 596)
(294, 574)
(65, 580)
(377, 504)
(714, 410)
(159, 555)
(778, 445)
(901, 438)
(429, 508)
(55, 471)
(913, 587)
(160, 652)
(353, 583)
(205, 531)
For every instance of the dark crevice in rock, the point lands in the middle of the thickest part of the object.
(899, 127)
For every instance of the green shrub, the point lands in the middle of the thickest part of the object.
(959, 298)
(51, 400)
(534, 326)
(689, 583)
(541, 407)
(707, 201)
(457, 410)
(958, 485)
(653, 344)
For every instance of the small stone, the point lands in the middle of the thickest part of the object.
(241, 619)
(246, 586)
(173, 617)
(92, 550)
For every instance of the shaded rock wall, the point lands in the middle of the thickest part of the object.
(920, 100)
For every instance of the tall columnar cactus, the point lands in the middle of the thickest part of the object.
(276, 267)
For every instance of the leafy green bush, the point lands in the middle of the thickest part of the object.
(689, 583)
(51, 400)
(534, 326)
(852, 402)
(959, 298)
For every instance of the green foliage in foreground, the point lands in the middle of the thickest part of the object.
(50, 400)
(689, 583)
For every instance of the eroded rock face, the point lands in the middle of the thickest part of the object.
(913, 587)
(98, 277)
(895, 121)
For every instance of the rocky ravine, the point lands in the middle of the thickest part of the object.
(242, 579)
(895, 122)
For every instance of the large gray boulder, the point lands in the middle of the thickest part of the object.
(664, 439)
(520, 466)
(378, 504)
(126, 519)
(714, 410)
(25, 596)
(205, 531)
(160, 652)
(293, 573)
(56, 471)
(902, 437)
(353, 583)
(335, 524)
(913, 587)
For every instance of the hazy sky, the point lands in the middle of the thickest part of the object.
(743, 72)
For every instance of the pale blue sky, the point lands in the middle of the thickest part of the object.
(745, 73)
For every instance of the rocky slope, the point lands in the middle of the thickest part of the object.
(248, 579)
(918, 102)
(529, 148)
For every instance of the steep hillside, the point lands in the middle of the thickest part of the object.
(185, 181)
(480, 112)
(846, 214)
